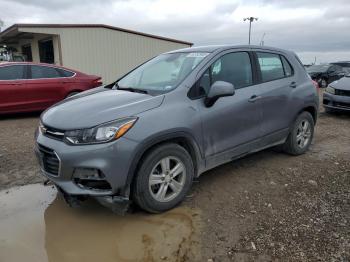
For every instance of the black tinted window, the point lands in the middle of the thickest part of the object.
(288, 70)
(65, 73)
(271, 66)
(14, 72)
(44, 72)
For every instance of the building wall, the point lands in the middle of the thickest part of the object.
(104, 52)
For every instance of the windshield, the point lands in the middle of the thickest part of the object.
(318, 68)
(162, 73)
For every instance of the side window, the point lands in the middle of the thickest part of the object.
(331, 69)
(234, 68)
(64, 73)
(44, 72)
(270, 66)
(338, 68)
(15, 72)
(288, 70)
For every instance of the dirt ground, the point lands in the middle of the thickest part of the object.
(265, 207)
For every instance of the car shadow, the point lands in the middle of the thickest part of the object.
(20, 115)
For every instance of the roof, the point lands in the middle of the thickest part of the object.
(16, 26)
(213, 48)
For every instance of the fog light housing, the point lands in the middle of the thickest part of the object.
(91, 179)
(88, 173)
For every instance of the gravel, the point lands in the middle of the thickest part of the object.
(268, 206)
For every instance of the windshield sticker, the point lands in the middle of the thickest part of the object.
(197, 54)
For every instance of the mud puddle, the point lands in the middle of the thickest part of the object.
(36, 225)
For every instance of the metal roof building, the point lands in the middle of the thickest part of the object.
(96, 49)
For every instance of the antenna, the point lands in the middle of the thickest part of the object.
(1, 24)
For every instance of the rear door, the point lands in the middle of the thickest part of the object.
(277, 84)
(13, 95)
(46, 85)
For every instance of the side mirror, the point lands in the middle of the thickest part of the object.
(217, 90)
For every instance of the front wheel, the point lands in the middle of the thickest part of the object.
(301, 135)
(164, 178)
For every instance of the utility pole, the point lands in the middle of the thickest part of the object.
(250, 19)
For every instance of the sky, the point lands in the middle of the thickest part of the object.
(314, 29)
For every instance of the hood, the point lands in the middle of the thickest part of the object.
(97, 106)
(342, 84)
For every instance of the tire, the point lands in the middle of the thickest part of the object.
(72, 94)
(300, 136)
(147, 192)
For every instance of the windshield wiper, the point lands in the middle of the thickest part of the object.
(132, 89)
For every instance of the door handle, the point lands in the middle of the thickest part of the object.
(293, 85)
(253, 98)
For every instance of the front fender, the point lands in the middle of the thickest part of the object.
(159, 138)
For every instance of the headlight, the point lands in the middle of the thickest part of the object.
(330, 90)
(100, 134)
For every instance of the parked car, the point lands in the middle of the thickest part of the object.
(325, 73)
(337, 96)
(344, 64)
(145, 137)
(26, 87)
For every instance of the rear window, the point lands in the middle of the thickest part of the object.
(44, 72)
(15, 72)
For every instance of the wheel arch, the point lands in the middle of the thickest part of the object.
(181, 138)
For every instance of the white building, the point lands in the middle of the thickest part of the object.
(101, 50)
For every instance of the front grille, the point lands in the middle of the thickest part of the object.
(53, 133)
(339, 92)
(50, 161)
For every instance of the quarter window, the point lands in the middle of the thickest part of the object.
(288, 70)
(15, 72)
(64, 73)
(44, 72)
(270, 66)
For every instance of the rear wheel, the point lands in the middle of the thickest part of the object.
(72, 94)
(164, 178)
(301, 135)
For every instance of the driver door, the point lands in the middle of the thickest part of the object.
(232, 126)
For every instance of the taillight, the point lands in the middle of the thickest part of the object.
(316, 85)
(97, 82)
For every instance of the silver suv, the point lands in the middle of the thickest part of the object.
(144, 138)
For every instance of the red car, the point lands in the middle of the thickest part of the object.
(26, 87)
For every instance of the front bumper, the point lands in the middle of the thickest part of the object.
(113, 160)
(335, 102)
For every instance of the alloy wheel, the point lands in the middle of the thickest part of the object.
(303, 133)
(167, 179)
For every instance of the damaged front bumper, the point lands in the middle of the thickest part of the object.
(117, 204)
(97, 171)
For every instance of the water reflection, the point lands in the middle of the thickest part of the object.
(92, 233)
